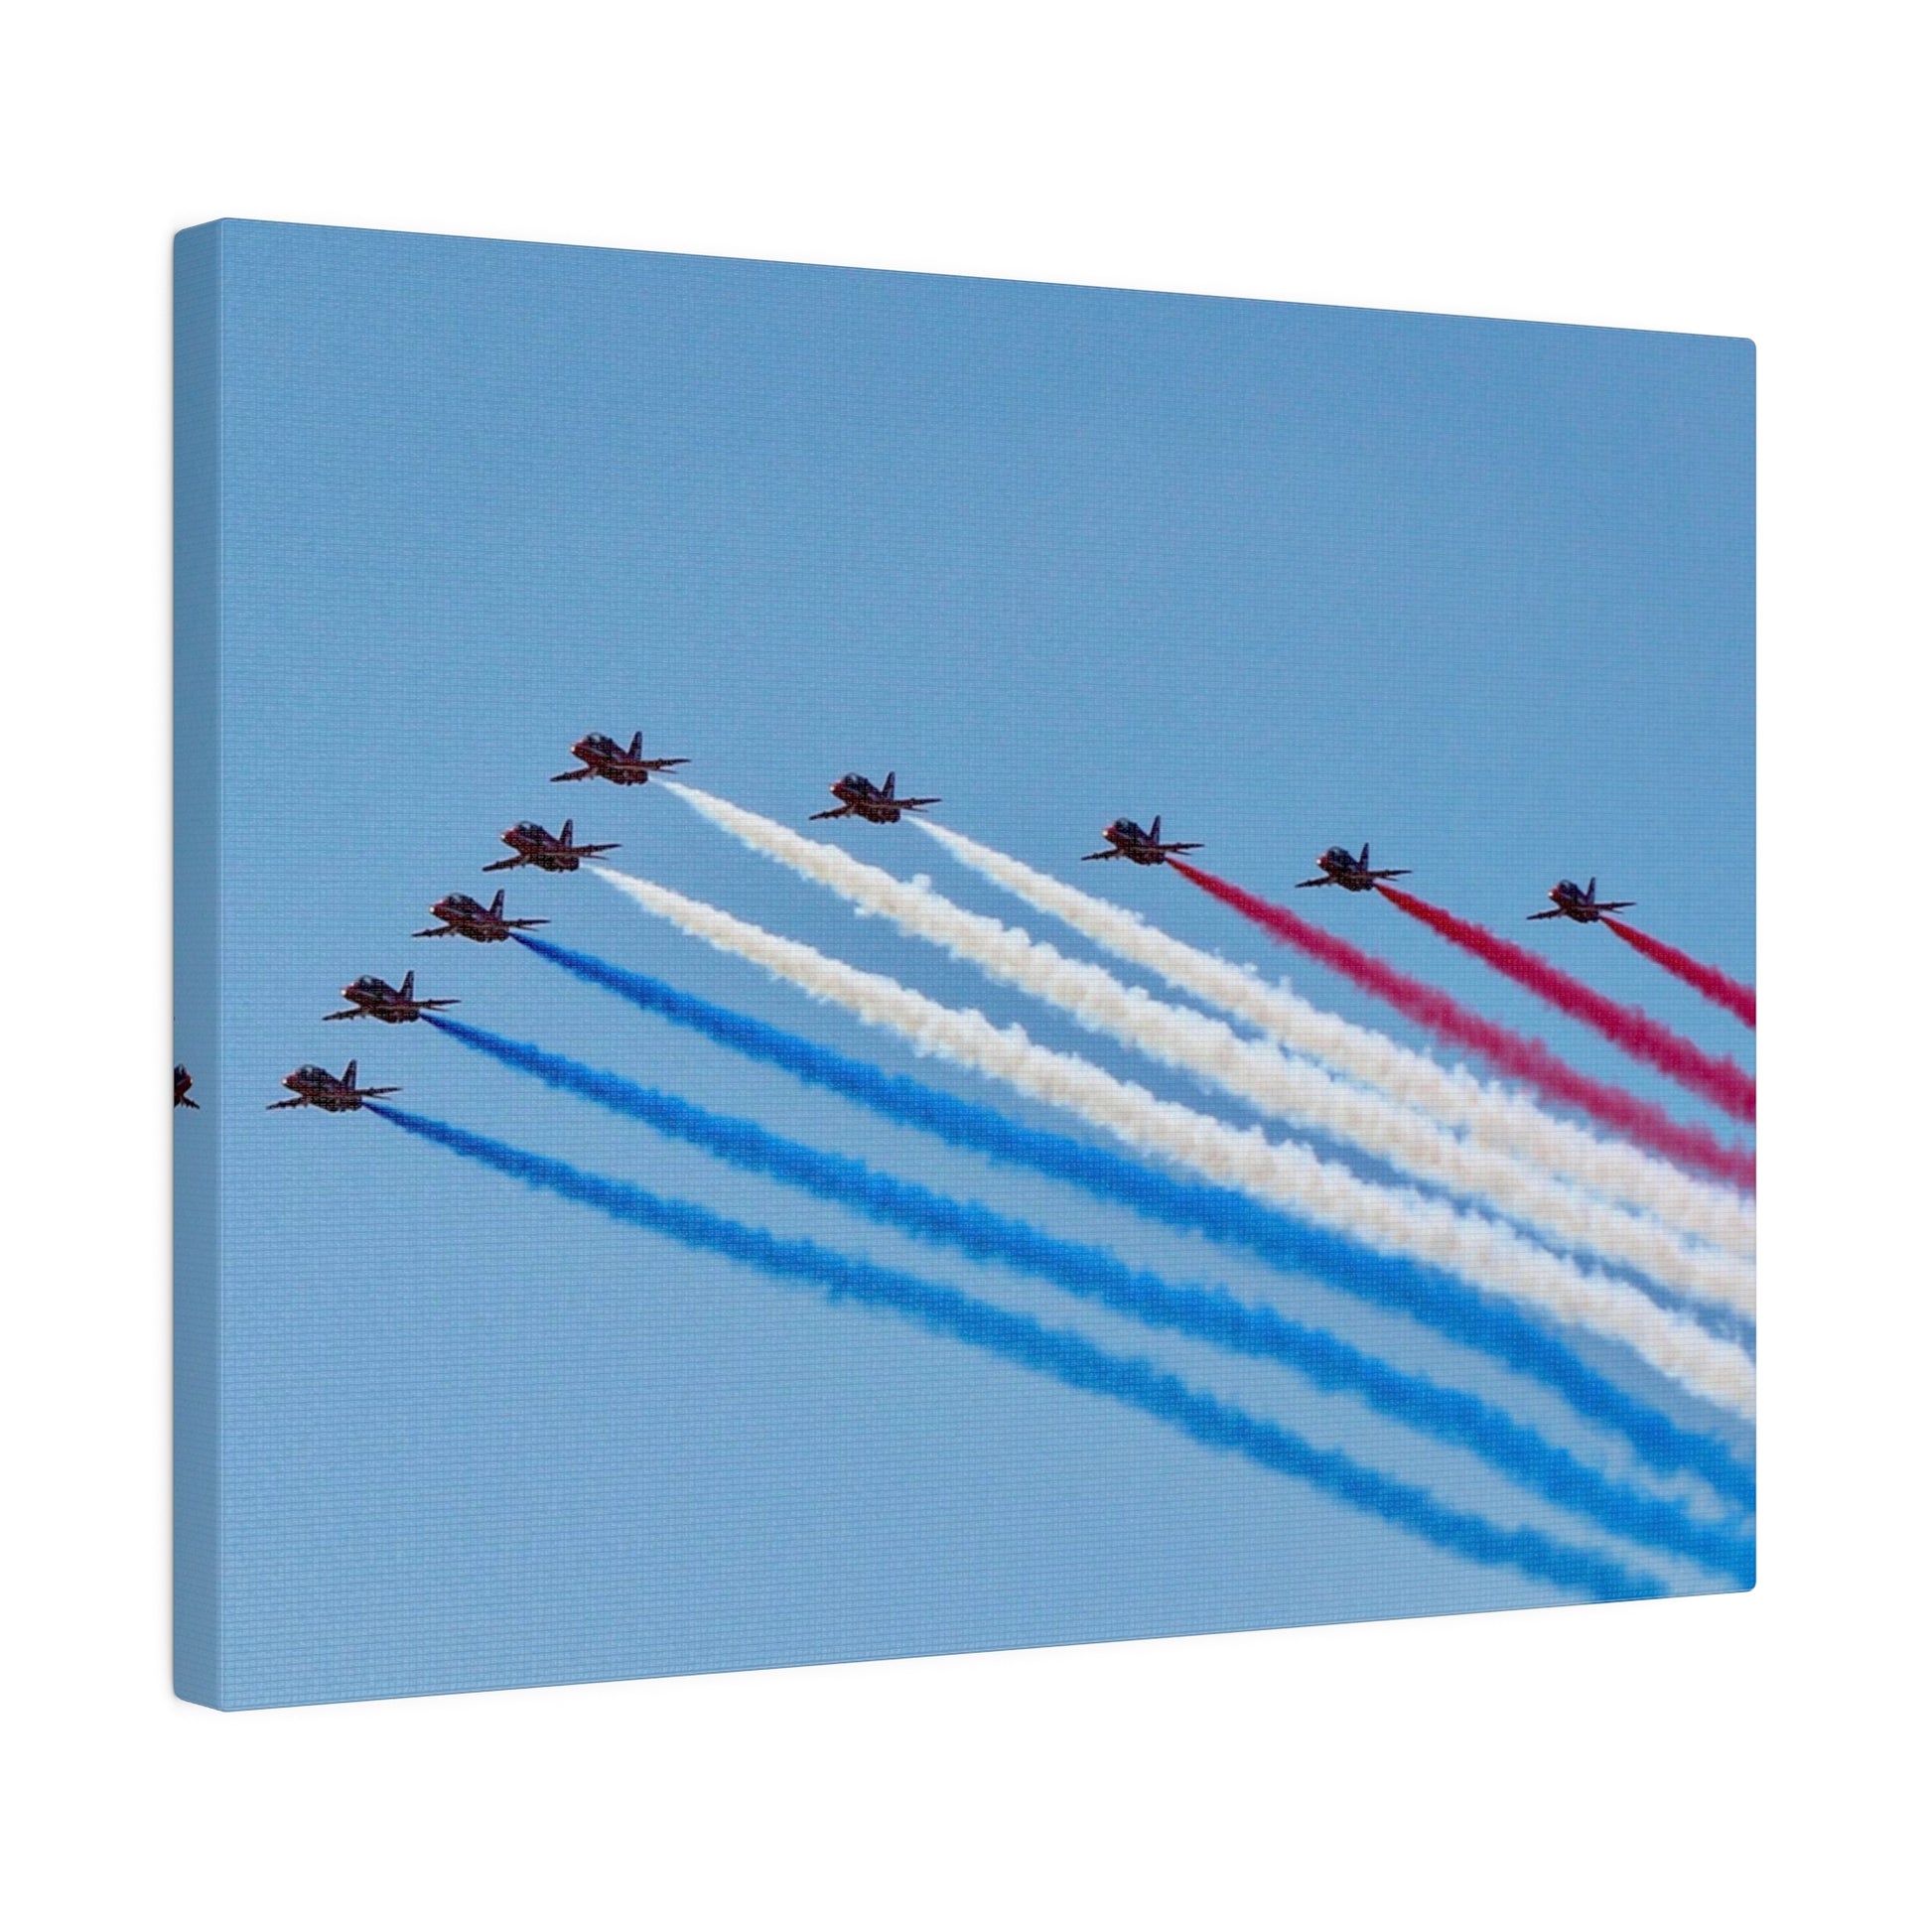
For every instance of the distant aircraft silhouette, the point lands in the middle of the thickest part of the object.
(374, 999)
(531, 845)
(859, 797)
(1340, 867)
(462, 916)
(316, 1087)
(605, 758)
(1574, 903)
(1126, 840)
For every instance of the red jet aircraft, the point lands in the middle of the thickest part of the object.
(605, 758)
(461, 916)
(183, 1082)
(548, 851)
(374, 999)
(1340, 867)
(1128, 841)
(860, 798)
(1582, 906)
(316, 1087)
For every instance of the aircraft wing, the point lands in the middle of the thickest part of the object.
(508, 865)
(434, 932)
(276, 1106)
(1615, 905)
(1113, 852)
(517, 925)
(354, 1013)
(1555, 913)
(662, 765)
(375, 1094)
(564, 777)
(1327, 879)
(844, 811)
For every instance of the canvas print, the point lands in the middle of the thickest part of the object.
(873, 964)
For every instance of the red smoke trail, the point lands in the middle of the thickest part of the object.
(1515, 1057)
(1724, 1083)
(1732, 995)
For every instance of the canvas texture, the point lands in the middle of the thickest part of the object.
(1145, 1173)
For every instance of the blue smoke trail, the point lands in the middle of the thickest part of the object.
(1209, 1315)
(1425, 1294)
(1067, 1357)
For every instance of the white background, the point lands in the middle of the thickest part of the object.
(1681, 166)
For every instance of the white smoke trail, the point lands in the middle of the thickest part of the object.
(1287, 1177)
(1253, 1070)
(1491, 1114)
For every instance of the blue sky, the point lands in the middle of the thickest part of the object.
(1478, 591)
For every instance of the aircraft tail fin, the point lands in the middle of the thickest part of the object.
(1154, 831)
(348, 1074)
(891, 778)
(638, 745)
(496, 905)
(1364, 858)
(1590, 893)
(570, 825)
(409, 984)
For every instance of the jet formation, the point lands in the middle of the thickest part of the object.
(316, 1087)
(859, 797)
(605, 758)
(1340, 867)
(531, 845)
(373, 999)
(465, 919)
(1573, 903)
(1126, 840)
(461, 916)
